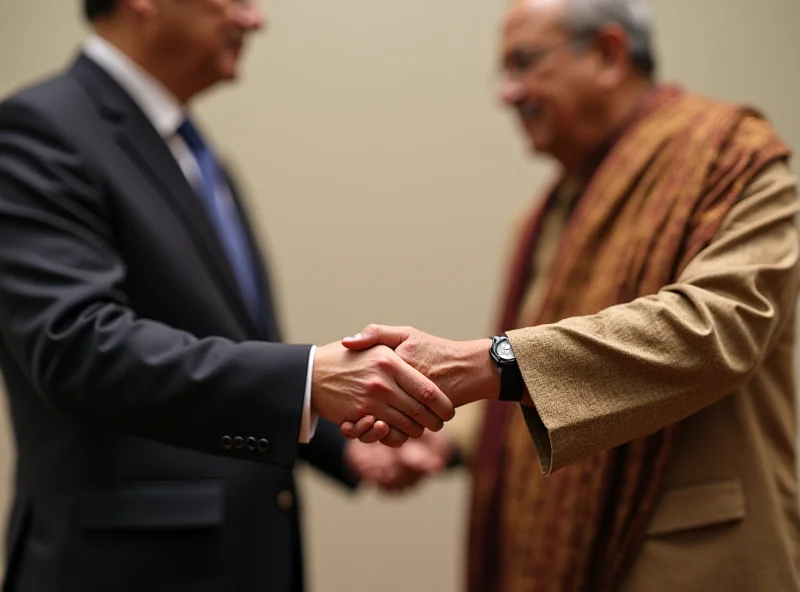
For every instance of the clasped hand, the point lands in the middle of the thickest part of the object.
(361, 387)
(389, 384)
(462, 370)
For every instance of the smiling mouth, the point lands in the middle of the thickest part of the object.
(236, 42)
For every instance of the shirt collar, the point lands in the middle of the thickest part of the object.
(158, 104)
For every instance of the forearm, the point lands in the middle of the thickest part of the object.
(149, 380)
(597, 382)
(602, 380)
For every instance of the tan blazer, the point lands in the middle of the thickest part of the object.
(715, 351)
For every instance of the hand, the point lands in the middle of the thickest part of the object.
(348, 386)
(397, 470)
(464, 370)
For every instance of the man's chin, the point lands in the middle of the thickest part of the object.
(229, 73)
(229, 69)
(537, 143)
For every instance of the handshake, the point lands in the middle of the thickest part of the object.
(389, 384)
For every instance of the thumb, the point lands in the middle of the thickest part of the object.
(377, 335)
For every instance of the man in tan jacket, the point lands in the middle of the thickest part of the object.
(648, 330)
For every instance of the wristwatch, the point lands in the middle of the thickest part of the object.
(512, 385)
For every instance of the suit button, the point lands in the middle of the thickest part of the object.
(285, 500)
(227, 442)
(263, 445)
(251, 444)
(238, 442)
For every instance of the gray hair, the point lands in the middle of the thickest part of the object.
(586, 17)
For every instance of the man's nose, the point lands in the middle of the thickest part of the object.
(251, 17)
(510, 90)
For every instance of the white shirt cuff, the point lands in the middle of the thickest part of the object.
(308, 425)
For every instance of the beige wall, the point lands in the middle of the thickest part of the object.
(384, 178)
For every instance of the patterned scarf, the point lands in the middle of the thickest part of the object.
(656, 199)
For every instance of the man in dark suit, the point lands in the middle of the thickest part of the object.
(157, 419)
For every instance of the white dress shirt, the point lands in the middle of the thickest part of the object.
(166, 114)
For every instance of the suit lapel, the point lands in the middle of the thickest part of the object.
(147, 150)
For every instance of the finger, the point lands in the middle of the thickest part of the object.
(348, 430)
(377, 335)
(352, 430)
(376, 433)
(387, 401)
(426, 403)
(397, 418)
(395, 439)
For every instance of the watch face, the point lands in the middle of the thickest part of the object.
(504, 350)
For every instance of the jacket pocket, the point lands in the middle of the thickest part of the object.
(697, 506)
(154, 506)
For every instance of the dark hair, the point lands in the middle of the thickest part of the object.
(93, 9)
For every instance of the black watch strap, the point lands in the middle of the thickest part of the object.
(512, 385)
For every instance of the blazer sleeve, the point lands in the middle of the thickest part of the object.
(66, 319)
(599, 381)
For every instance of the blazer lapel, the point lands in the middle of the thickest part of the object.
(148, 151)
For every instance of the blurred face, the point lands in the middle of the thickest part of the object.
(555, 86)
(204, 39)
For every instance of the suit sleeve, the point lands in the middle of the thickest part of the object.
(599, 381)
(66, 319)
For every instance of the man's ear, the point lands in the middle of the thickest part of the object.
(146, 9)
(615, 60)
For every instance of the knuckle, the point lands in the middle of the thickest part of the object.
(427, 393)
(405, 424)
(375, 385)
(384, 362)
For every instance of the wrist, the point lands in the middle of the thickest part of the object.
(320, 371)
(486, 377)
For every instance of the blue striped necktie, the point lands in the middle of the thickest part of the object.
(225, 217)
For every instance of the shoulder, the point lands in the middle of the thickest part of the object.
(770, 195)
(41, 95)
(53, 104)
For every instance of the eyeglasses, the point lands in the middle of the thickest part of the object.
(521, 62)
